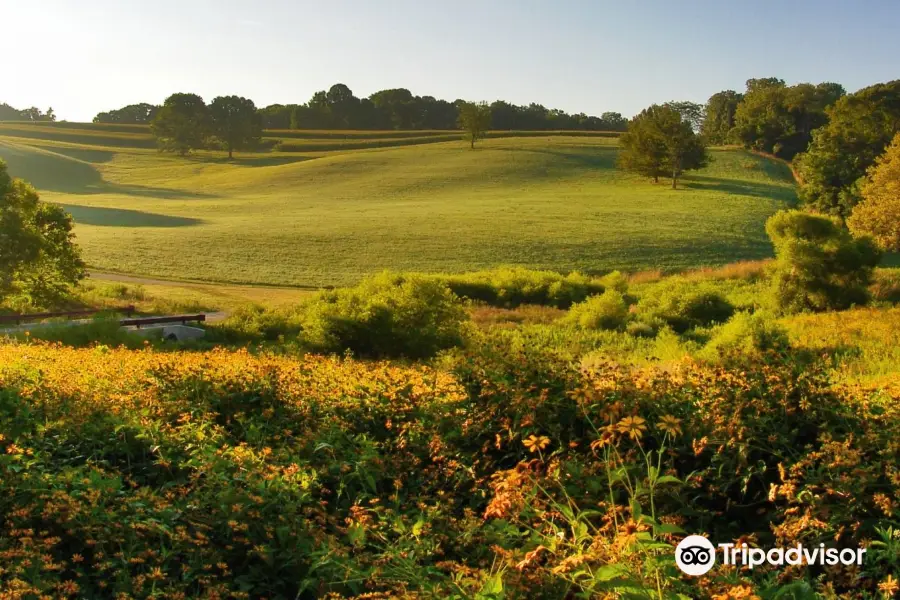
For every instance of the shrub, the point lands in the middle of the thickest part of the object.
(684, 304)
(640, 329)
(747, 333)
(605, 311)
(615, 281)
(818, 265)
(387, 315)
(255, 323)
(509, 287)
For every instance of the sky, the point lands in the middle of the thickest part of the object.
(86, 56)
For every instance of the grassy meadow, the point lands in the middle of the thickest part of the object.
(330, 216)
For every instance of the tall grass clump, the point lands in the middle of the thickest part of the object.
(509, 287)
(388, 315)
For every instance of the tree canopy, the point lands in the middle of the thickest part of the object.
(475, 120)
(235, 122)
(8, 113)
(182, 124)
(859, 128)
(660, 142)
(718, 116)
(395, 108)
(38, 256)
(878, 215)
(773, 117)
(135, 114)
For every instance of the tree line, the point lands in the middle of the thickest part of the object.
(8, 113)
(831, 137)
(398, 109)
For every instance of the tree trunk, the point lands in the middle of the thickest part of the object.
(229, 152)
(674, 179)
(656, 179)
(473, 143)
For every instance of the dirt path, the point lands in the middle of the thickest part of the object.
(221, 295)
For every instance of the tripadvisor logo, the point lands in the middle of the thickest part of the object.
(695, 555)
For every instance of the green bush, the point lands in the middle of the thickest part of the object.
(388, 315)
(615, 281)
(747, 333)
(509, 287)
(684, 304)
(606, 311)
(256, 323)
(818, 266)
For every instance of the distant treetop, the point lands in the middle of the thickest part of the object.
(398, 108)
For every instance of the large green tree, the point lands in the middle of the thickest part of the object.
(773, 117)
(38, 256)
(182, 124)
(718, 118)
(859, 128)
(475, 120)
(235, 122)
(660, 141)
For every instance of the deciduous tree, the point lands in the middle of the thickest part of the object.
(38, 256)
(718, 118)
(235, 122)
(859, 128)
(475, 119)
(182, 124)
(659, 141)
(878, 215)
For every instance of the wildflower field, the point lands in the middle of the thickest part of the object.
(497, 471)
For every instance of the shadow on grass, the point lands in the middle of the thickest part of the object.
(66, 173)
(120, 217)
(591, 156)
(250, 161)
(743, 188)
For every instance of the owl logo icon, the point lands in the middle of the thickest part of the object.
(695, 555)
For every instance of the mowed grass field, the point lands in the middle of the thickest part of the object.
(332, 216)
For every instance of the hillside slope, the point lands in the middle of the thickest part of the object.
(330, 217)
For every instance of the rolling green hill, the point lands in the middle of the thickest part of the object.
(329, 217)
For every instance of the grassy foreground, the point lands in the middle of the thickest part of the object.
(320, 218)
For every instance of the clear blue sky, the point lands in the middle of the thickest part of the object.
(84, 56)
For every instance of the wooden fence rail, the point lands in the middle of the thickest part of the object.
(19, 319)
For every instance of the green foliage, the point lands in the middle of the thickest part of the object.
(747, 334)
(182, 124)
(818, 265)
(387, 315)
(605, 311)
(860, 126)
(38, 256)
(684, 304)
(475, 119)
(131, 114)
(718, 117)
(235, 122)
(878, 215)
(509, 287)
(776, 118)
(660, 141)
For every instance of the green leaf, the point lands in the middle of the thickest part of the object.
(669, 479)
